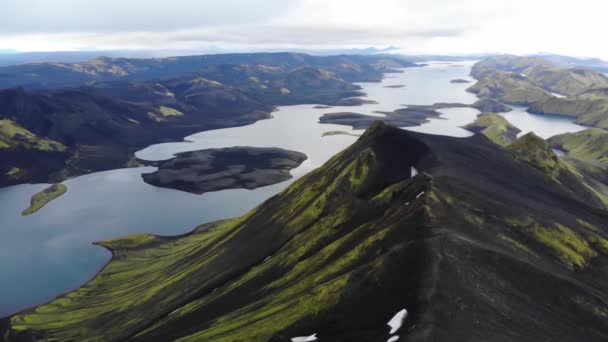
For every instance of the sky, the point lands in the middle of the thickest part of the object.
(416, 26)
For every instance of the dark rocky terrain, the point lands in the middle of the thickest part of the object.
(483, 244)
(117, 106)
(226, 168)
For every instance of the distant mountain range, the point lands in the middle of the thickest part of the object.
(104, 109)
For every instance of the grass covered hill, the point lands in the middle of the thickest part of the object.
(467, 246)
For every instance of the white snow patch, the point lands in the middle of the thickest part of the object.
(397, 321)
(312, 337)
(414, 171)
(406, 204)
(393, 339)
(559, 96)
(267, 258)
(420, 194)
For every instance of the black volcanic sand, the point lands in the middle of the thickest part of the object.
(226, 168)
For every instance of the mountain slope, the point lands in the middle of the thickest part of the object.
(467, 246)
(102, 123)
(551, 77)
(589, 107)
(495, 128)
(104, 69)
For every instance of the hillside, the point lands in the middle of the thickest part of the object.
(104, 69)
(467, 246)
(589, 107)
(566, 80)
(538, 83)
(494, 127)
(590, 145)
(111, 114)
(510, 88)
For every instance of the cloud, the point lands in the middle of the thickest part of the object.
(418, 26)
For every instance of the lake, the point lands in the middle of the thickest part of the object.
(50, 252)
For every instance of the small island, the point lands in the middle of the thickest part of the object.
(460, 80)
(354, 101)
(209, 170)
(334, 133)
(322, 107)
(44, 197)
(495, 127)
(413, 115)
(395, 86)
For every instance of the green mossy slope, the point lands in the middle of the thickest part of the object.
(44, 197)
(494, 127)
(13, 136)
(344, 248)
(589, 145)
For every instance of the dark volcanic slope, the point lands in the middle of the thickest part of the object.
(122, 105)
(481, 245)
(102, 69)
(227, 168)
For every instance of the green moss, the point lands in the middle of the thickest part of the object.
(589, 145)
(42, 198)
(130, 242)
(167, 111)
(14, 136)
(573, 248)
(536, 152)
(14, 173)
(495, 127)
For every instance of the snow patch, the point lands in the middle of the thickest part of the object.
(393, 339)
(420, 194)
(414, 172)
(406, 204)
(397, 321)
(312, 337)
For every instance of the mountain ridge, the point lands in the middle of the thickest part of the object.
(363, 231)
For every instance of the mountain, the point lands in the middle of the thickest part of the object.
(494, 127)
(592, 63)
(112, 114)
(586, 153)
(557, 79)
(510, 88)
(528, 81)
(467, 245)
(103, 69)
(589, 107)
(590, 145)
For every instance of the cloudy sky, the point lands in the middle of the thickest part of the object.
(416, 26)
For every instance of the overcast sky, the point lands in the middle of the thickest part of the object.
(416, 26)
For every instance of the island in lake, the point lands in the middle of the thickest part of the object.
(226, 168)
(44, 197)
(460, 80)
